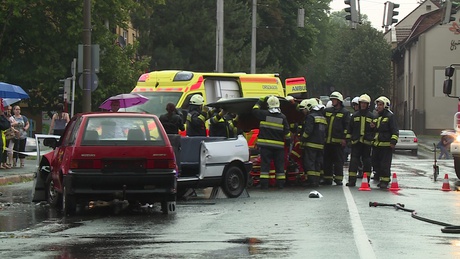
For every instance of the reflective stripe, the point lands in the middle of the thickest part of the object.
(269, 142)
(314, 145)
(281, 176)
(263, 175)
(313, 173)
(352, 174)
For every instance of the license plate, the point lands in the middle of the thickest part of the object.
(405, 140)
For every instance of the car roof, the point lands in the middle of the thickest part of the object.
(114, 114)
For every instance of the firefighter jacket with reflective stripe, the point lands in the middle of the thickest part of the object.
(314, 131)
(386, 129)
(273, 129)
(222, 126)
(359, 129)
(337, 124)
(196, 121)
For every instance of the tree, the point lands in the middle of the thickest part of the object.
(38, 41)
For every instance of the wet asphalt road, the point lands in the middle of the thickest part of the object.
(268, 224)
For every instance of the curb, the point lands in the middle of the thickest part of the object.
(10, 179)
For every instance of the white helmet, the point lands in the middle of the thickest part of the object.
(289, 98)
(308, 104)
(329, 104)
(384, 100)
(196, 99)
(336, 95)
(364, 98)
(355, 100)
(273, 102)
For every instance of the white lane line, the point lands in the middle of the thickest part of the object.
(365, 249)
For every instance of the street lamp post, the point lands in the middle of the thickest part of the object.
(253, 38)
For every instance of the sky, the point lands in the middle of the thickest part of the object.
(374, 9)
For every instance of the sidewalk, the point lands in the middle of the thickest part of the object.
(19, 174)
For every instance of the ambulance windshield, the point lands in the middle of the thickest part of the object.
(157, 102)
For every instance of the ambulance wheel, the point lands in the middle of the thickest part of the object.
(233, 182)
(457, 166)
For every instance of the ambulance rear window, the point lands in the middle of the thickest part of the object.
(183, 76)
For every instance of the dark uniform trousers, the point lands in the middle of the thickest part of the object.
(383, 157)
(359, 152)
(333, 162)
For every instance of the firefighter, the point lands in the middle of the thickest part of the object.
(386, 137)
(355, 104)
(312, 140)
(337, 122)
(273, 133)
(223, 124)
(196, 117)
(361, 136)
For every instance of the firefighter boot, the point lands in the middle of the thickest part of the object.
(280, 184)
(263, 183)
(383, 185)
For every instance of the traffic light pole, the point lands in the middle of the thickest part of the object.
(87, 84)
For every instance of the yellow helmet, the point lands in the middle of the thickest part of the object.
(336, 95)
(308, 104)
(364, 98)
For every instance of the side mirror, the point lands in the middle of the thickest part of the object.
(447, 87)
(449, 71)
(50, 142)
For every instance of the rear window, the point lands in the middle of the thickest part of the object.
(122, 131)
(406, 133)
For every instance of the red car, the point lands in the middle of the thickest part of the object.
(110, 156)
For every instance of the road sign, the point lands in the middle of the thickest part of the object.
(94, 81)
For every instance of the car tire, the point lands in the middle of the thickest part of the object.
(233, 182)
(53, 197)
(168, 207)
(69, 203)
(457, 166)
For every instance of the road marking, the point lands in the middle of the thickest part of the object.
(365, 249)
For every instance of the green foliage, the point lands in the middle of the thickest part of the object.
(39, 39)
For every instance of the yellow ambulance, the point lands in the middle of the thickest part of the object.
(174, 86)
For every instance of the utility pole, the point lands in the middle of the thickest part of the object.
(87, 83)
(253, 38)
(220, 37)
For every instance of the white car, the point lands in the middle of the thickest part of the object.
(407, 141)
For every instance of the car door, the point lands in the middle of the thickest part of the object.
(63, 151)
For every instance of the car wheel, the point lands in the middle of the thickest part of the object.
(168, 207)
(414, 152)
(457, 166)
(69, 203)
(233, 182)
(53, 197)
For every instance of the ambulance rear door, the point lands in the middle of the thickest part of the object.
(217, 88)
(297, 85)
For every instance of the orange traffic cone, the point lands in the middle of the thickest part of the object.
(394, 183)
(364, 184)
(445, 184)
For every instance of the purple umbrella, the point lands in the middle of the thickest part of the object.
(126, 100)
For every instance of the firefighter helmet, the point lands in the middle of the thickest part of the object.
(273, 102)
(196, 99)
(308, 104)
(289, 98)
(364, 98)
(329, 104)
(355, 100)
(336, 95)
(384, 100)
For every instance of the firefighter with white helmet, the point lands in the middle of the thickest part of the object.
(273, 133)
(312, 140)
(337, 118)
(196, 117)
(386, 137)
(355, 103)
(361, 135)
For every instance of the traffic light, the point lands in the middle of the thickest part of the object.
(391, 13)
(64, 90)
(449, 9)
(352, 15)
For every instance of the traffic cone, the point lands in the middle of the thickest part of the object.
(445, 184)
(394, 183)
(364, 184)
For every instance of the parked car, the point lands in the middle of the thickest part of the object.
(107, 157)
(407, 141)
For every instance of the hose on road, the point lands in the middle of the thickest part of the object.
(447, 228)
